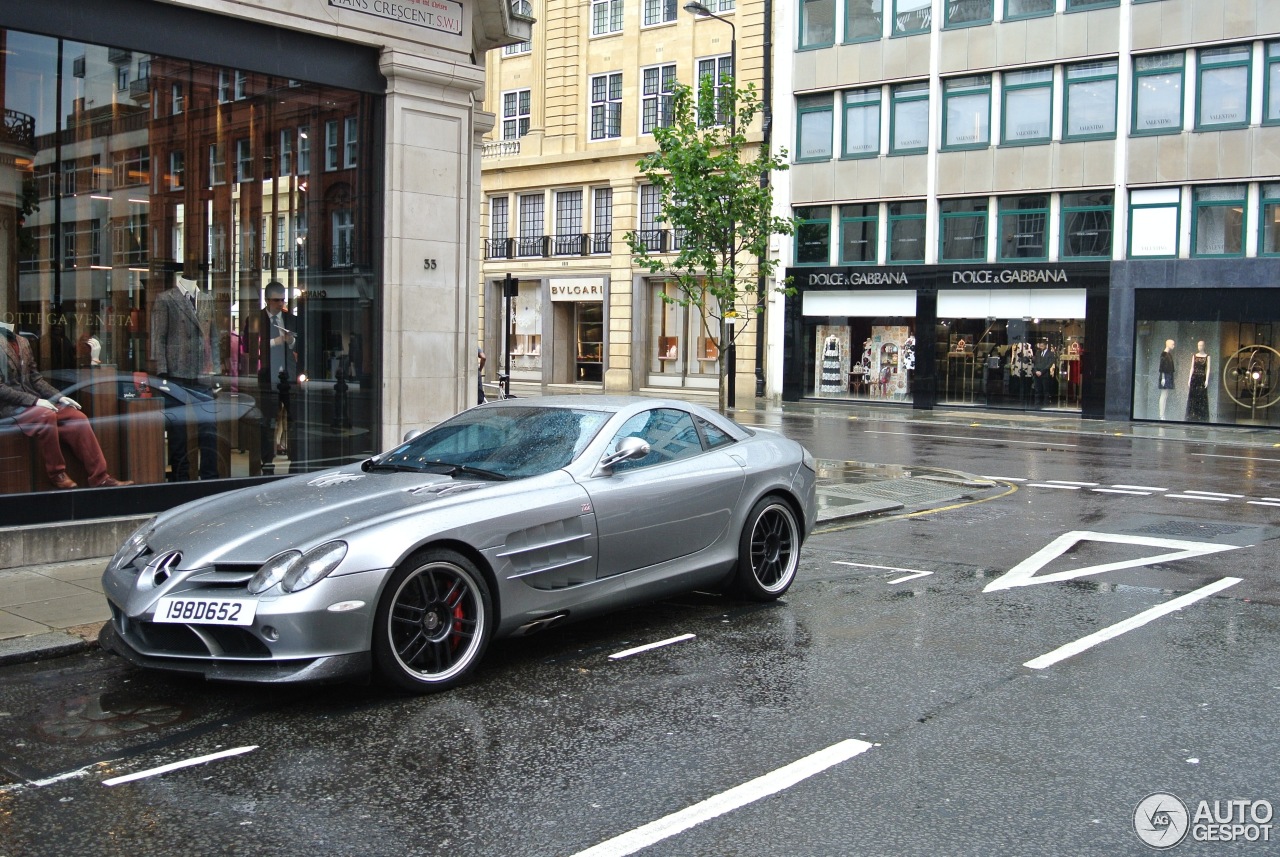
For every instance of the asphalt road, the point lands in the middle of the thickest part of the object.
(1004, 675)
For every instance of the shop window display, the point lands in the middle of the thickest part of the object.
(871, 359)
(526, 332)
(1207, 372)
(684, 348)
(1010, 363)
(125, 234)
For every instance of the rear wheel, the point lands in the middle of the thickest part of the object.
(433, 623)
(768, 550)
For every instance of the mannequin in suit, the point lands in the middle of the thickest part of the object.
(184, 349)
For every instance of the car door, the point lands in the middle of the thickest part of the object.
(672, 503)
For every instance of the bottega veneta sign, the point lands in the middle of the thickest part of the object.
(442, 15)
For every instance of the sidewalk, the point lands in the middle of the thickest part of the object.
(56, 608)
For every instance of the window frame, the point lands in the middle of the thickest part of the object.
(846, 220)
(659, 99)
(1011, 16)
(1003, 213)
(895, 33)
(1202, 66)
(849, 20)
(332, 144)
(916, 91)
(1139, 74)
(813, 105)
(965, 90)
(949, 5)
(1067, 211)
(1268, 199)
(522, 102)
(808, 216)
(1006, 88)
(663, 12)
(1176, 206)
(875, 100)
(612, 101)
(1113, 76)
(612, 16)
(1270, 87)
(244, 161)
(946, 218)
(1090, 5)
(892, 221)
(802, 18)
(1241, 202)
(350, 142)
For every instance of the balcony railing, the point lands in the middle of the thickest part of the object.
(500, 149)
(19, 129)
(546, 246)
(284, 260)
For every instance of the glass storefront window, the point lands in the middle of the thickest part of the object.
(146, 222)
(871, 359)
(526, 332)
(1020, 363)
(684, 339)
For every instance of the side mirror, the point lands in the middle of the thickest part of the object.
(627, 449)
(410, 435)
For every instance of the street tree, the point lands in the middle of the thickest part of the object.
(717, 204)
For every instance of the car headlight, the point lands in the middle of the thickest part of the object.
(273, 571)
(808, 460)
(132, 548)
(313, 566)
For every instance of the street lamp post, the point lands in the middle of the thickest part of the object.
(698, 10)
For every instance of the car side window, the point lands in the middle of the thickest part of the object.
(670, 433)
(714, 436)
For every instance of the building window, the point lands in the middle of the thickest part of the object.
(909, 119)
(863, 20)
(719, 69)
(331, 145)
(859, 234)
(814, 126)
(241, 86)
(520, 7)
(499, 207)
(1084, 5)
(350, 142)
(224, 86)
(1154, 218)
(1027, 116)
(967, 13)
(817, 23)
(906, 232)
(1086, 225)
(861, 123)
(1024, 228)
(1222, 95)
(122, 78)
(1157, 94)
(244, 161)
(217, 164)
(606, 17)
(1271, 86)
(912, 16)
(655, 100)
(568, 222)
(344, 234)
(963, 233)
(966, 112)
(515, 114)
(813, 235)
(177, 170)
(659, 11)
(1218, 220)
(532, 221)
(1269, 240)
(176, 99)
(286, 152)
(1091, 101)
(602, 220)
(606, 106)
(1014, 9)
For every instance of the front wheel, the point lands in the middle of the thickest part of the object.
(433, 623)
(768, 550)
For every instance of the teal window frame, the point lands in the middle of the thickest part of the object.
(851, 21)
(1011, 85)
(1206, 62)
(949, 7)
(1198, 208)
(902, 95)
(952, 214)
(897, 220)
(1022, 16)
(958, 88)
(1090, 76)
(810, 106)
(848, 220)
(874, 99)
(1144, 70)
(812, 218)
(1269, 214)
(1271, 85)
(1090, 5)
(928, 25)
(1134, 208)
(1067, 220)
(804, 19)
(1021, 220)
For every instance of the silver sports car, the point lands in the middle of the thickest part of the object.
(509, 518)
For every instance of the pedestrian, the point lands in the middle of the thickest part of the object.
(1043, 385)
(480, 379)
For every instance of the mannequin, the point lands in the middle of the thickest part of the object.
(184, 349)
(831, 374)
(1165, 380)
(1198, 386)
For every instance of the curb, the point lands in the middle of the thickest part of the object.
(53, 644)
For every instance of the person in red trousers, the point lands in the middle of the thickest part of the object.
(41, 412)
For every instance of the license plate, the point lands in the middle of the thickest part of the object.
(205, 611)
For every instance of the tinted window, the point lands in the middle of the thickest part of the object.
(670, 433)
(713, 436)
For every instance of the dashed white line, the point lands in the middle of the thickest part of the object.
(1122, 491)
(1086, 643)
(1140, 487)
(976, 439)
(1197, 497)
(1006, 478)
(880, 567)
(735, 798)
(911, 576)
(1051, 485)
(1264, 503)
(186, 763)
(1068, 482)
(626, 653)
(1245, 457)
(1213, 494)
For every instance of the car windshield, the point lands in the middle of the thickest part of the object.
(504, 443)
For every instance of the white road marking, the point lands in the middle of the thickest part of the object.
(1245, 457)
(1263, 503)
(1005, 478)
(187, 763)
(1121, 491)
(638, 649)
(1068, 482)
(881, 567)
(1197, 497)
(911, 576)
(974, 439)
(1085, 643)
(1050, 485)
(1213, 494)
(735, 798)
(1140, 487)
(1024, 573)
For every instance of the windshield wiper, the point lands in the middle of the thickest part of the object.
(393, 468)
(455, 469)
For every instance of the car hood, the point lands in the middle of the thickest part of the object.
(253, 524)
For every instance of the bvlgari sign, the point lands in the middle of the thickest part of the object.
(577, 288)
(442, 15)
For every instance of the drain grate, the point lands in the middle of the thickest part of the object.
(907, 491)
(1192, 528)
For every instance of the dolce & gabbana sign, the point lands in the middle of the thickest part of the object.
(826, 279)
(1010, 276)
